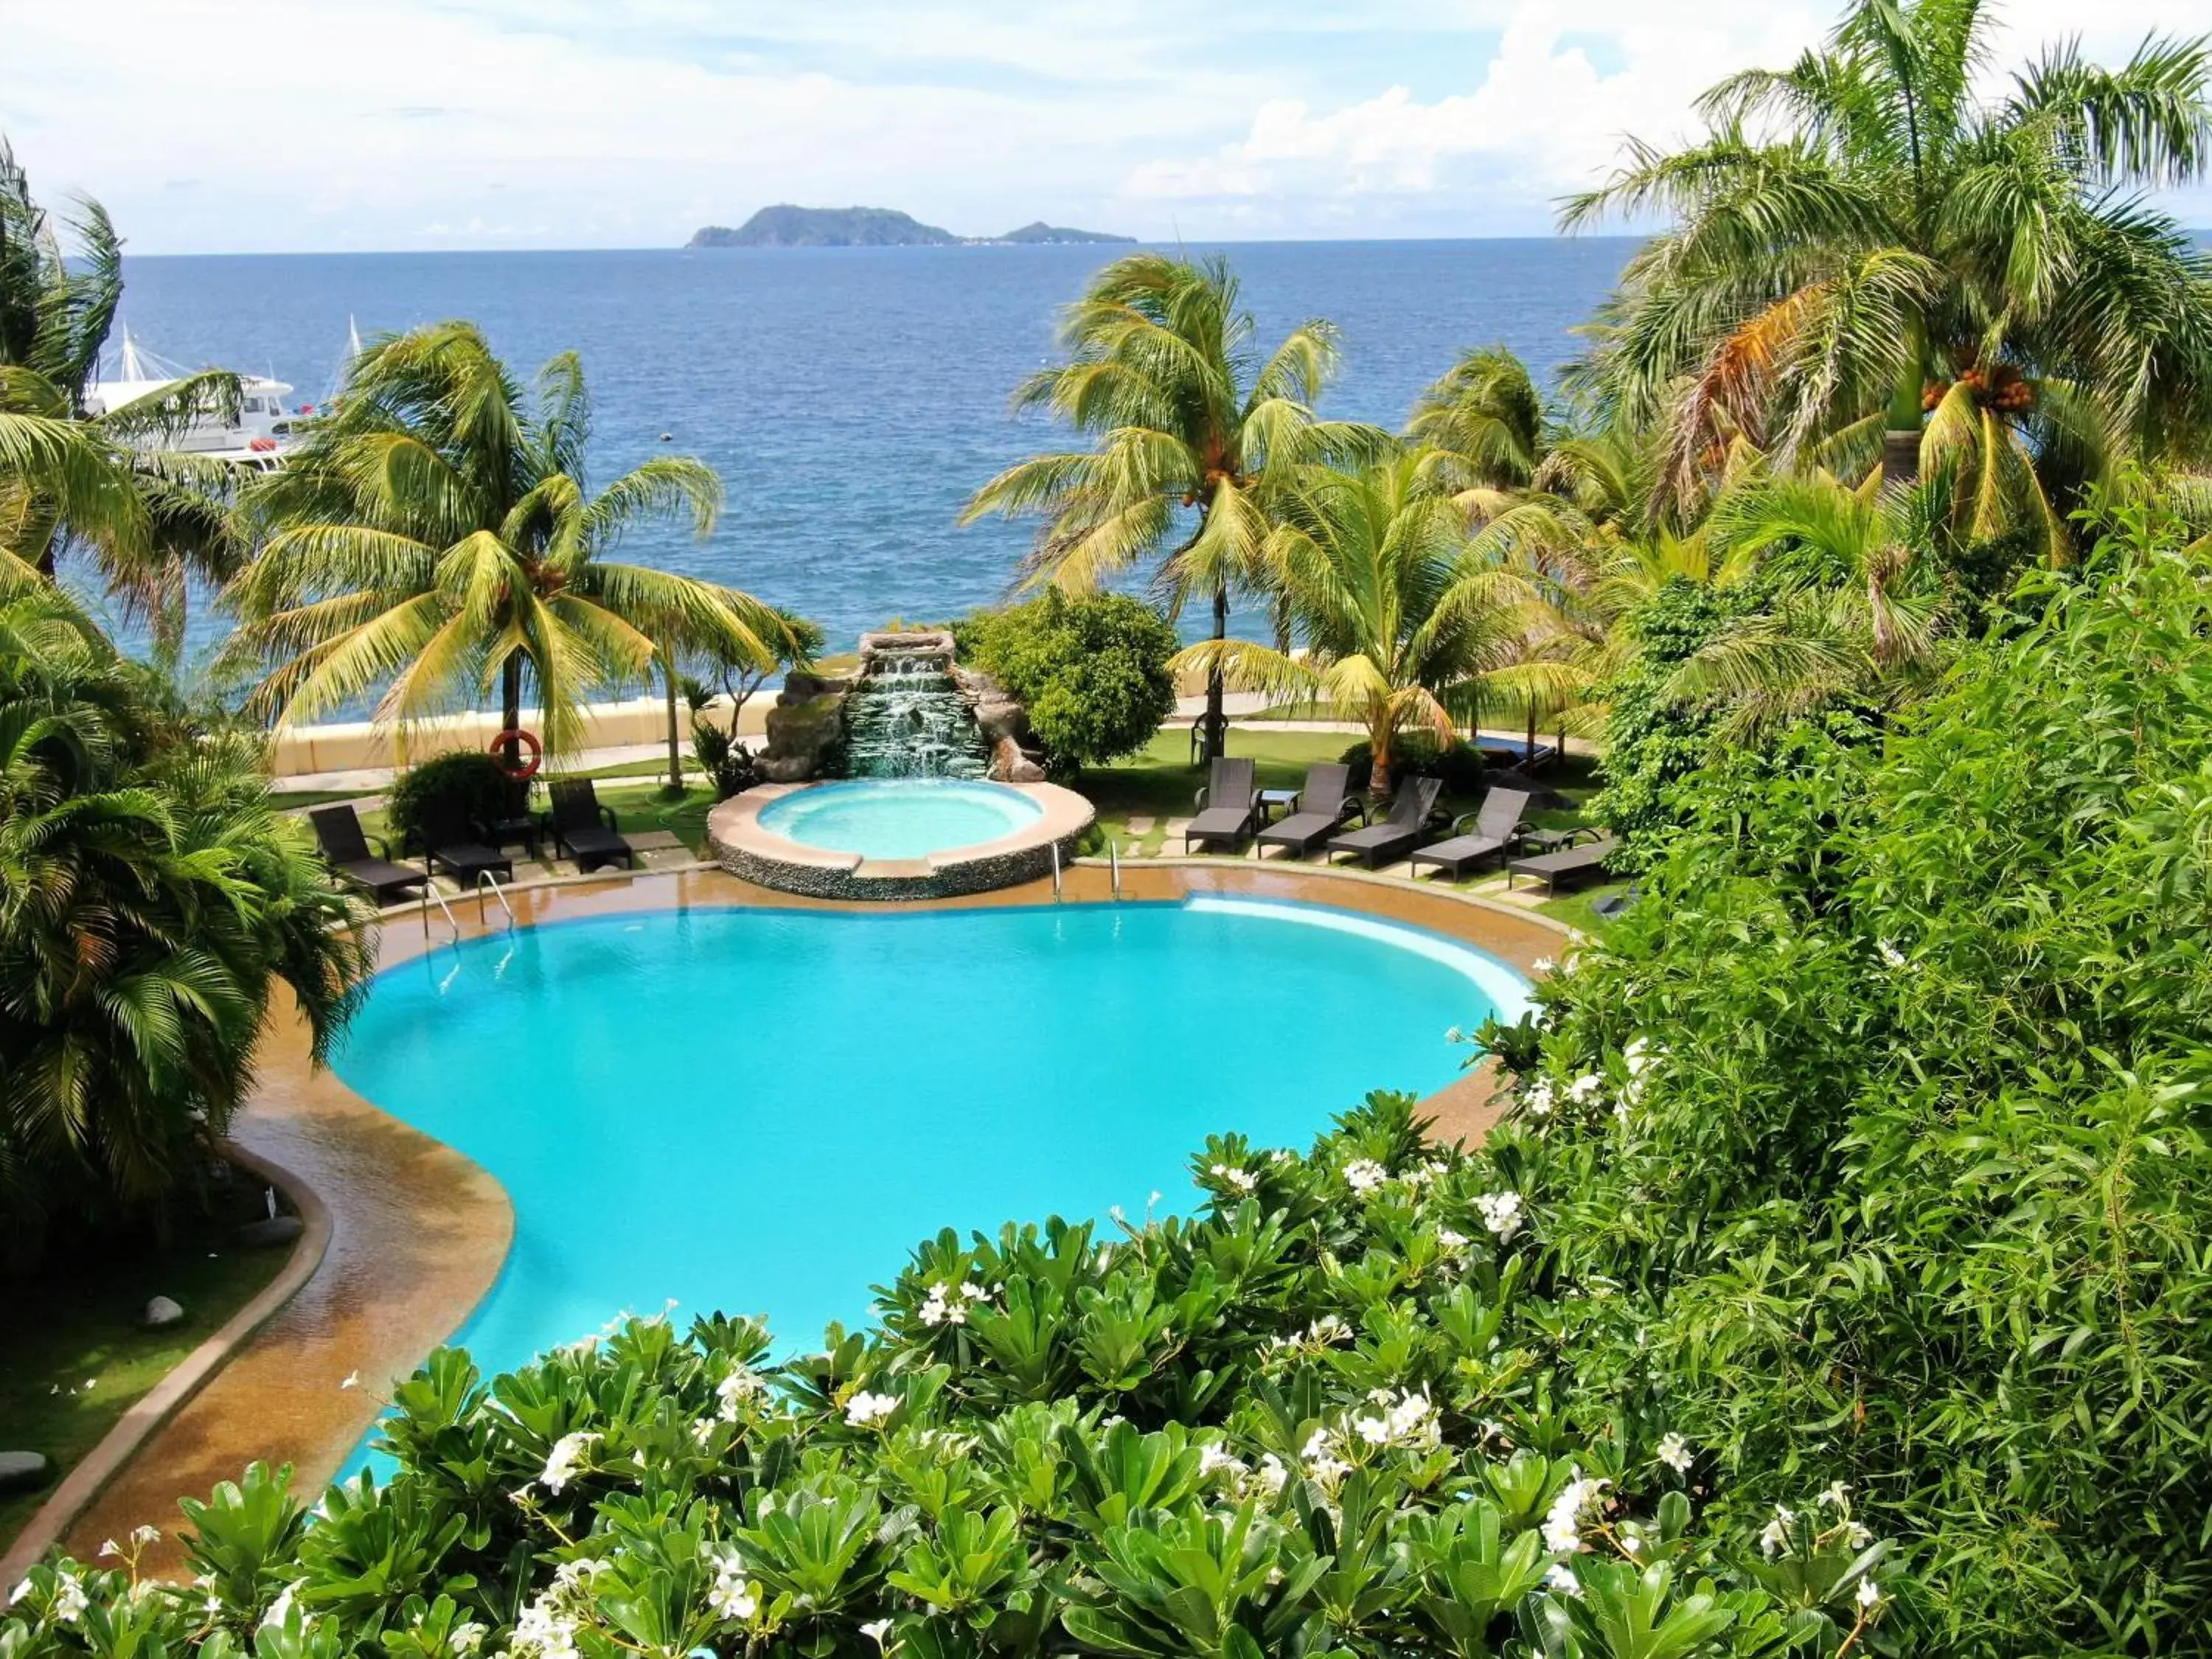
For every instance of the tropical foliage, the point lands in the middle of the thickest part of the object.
(1325, 1416)
(1092, 673)
(1882, 1121)
(69, 479)
(1868, 260)
(1407, 623)
(151, 900)
(1194, 426)
(434, 541)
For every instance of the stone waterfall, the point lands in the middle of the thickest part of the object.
(906, 715)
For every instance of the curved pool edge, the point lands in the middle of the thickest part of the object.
(420, 1232)
(753, 852)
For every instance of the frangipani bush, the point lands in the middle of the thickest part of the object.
(1322, 1416)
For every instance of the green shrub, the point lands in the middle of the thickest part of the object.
(1417, 753)
(471, 779)
(1884, 1119)
(729, 764)
(1321, 1417)
(1091, 671)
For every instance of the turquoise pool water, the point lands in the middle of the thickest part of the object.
(899, 818)
(762, 1111)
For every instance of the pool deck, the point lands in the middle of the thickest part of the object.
(417, 1233)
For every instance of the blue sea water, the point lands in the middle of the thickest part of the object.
(851, 398)
(763, 1111)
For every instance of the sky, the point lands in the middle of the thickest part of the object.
(305, 125)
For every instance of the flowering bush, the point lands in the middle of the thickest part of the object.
(1875, 1142)
(1325, 1415)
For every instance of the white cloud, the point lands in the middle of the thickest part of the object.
(211, 124)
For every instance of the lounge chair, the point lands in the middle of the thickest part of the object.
(1229, 806)
(345, 848)
(1401, 831)
(586, 830)
(1319, 812)
(453, 842)
(1548, 867)
(1497, 826)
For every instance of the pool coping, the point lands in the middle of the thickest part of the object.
(191, 1430)
(752, 852)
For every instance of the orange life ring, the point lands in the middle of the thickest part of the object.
(527, 740)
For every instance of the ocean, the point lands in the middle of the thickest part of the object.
(851, 398)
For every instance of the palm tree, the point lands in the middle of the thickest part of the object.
(1859, 239)
(1856, 609)
(151, 897)
(1193, 428)
(1408, 621)
(69, 478)
(435, 539)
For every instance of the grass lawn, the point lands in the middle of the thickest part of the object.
(1577, 909)
(73, 1357)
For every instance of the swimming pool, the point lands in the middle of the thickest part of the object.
(764, 1110)
(899, 818)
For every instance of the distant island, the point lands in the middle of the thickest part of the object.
(786, 226)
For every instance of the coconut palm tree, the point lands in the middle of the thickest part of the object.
(1408, 621)
(1861, 237)
(1856, 610)
(72, 479)
(435, 540)
(150, 898)
(1193, 428)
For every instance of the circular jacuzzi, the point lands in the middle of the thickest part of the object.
(900, 818)
(897, 838)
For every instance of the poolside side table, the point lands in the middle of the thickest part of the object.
(1273, 800)
(1550, 841)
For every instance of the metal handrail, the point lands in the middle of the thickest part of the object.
(431, 892)
(1113, 860)
(1055, 872)
(499, 893)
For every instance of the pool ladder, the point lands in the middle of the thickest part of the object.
(1055, 872)
(1114, 862)
(484, 878)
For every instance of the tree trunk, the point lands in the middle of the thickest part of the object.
(675, 755)
(1900, 437)
(1378, 764)
(510, 707)
(1217, 685)
(1529, 756)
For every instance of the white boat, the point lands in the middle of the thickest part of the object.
(263, 430)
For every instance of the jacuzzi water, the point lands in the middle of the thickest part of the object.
(899, 818)
(763, 1111)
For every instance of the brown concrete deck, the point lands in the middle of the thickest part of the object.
(418, 1232)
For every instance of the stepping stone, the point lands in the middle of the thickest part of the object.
(1172, 842)
(161, 1312)
(653, 840)
(21, 1471)
(276, 1229)
(1141, 826)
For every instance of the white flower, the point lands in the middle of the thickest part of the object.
(1451, 1035)
(1857, 1535)
(1674, 1452)
(1563, 1522)
(1868, 1592)
(71, 1601)
(1242, 1180)
(744, 1383)
(876, 1629)
(1891, 956)
(1777, 1531)
(280, 1610)
(1584, 1089)
(466, 1638)
(1322, 1463)
(1539, 1099)
(937, 1309)
(109, 1547)
(1449, 1240)
(1501, 1213)
(1272, 1474)
(1364, 1175)
(143, 1535)
(731, 1596)
(561, 1462)
(1834, 1495)
(1561, 1578)
(19, 1592)
(864, 1408)
(1631, 1543)
(1636, 1056)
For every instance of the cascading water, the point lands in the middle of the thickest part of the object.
(905, 718)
